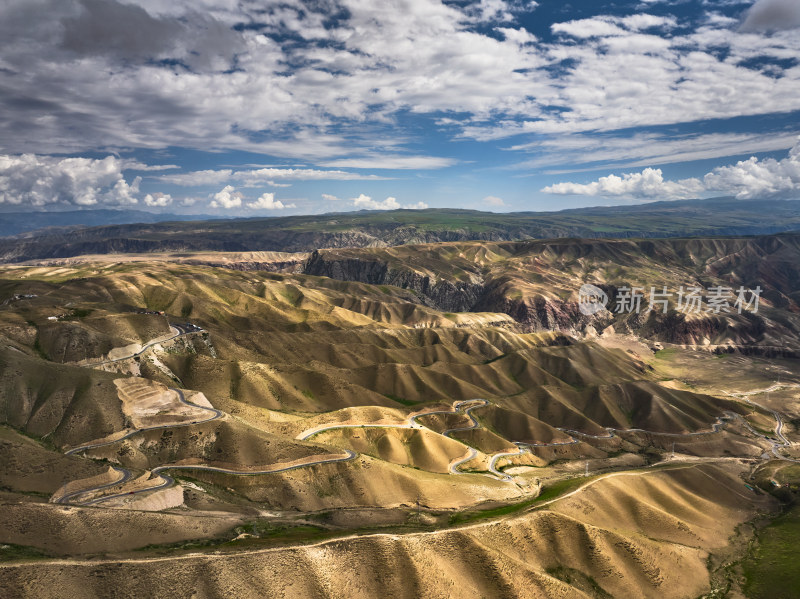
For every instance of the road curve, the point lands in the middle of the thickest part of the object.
(216, 414)
(524, 447)
(168, 481)
(179, 332)
(782, 442)
(125, 477)
(458, 407)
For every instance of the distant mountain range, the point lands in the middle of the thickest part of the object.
(690, 218)
(14, 223)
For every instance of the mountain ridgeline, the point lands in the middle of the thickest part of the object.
(536, 282)
(691, 218)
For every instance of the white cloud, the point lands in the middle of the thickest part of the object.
(255, 177)
(172, 83)
(618, 74)
(589, 152)
(500, 10)
(719, 20)
(649, 184)
(259, 176)
(747, 179)
(493, 201)
(76, 78)
(41, 180)
(135, 165)
(267, 201)
(641, 21)
(365, 202)
(755, 178)
(583, 28)
(227, 198)
(198, 178)
(158, 199)
(416, 206)
(520, 36)
(393, 162)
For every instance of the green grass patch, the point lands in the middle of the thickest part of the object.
(560, 487)
(503, 510)
(773, 569)
(401, 400)
(10, 552)
(548, 493)
(253, 533)
(667, 354)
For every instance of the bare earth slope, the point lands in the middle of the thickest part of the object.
(409, 421)
(659, 551)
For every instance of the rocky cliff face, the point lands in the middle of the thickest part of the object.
(439, 293)
(535, 314)
(536, 283)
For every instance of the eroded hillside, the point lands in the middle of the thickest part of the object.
(207, 403)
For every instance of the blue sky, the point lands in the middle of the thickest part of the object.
(239, 107)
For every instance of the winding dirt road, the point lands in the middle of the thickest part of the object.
(523, 447)
(464, 407)
(168, 481)
(782, 442)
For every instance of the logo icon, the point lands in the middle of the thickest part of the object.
(591, 299)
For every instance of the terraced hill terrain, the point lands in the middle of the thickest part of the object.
(443, 414)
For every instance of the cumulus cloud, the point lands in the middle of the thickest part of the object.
(292, 78)
(772, 15)
(493, 201)
(157, 199)
(605, 26)
(227, 198)
(365, 202)
(520, 36)
(747, 179)
(500, 10)
(41, 180)
(755, 178)
(584, 28)
(267, 201)
(649, 184)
